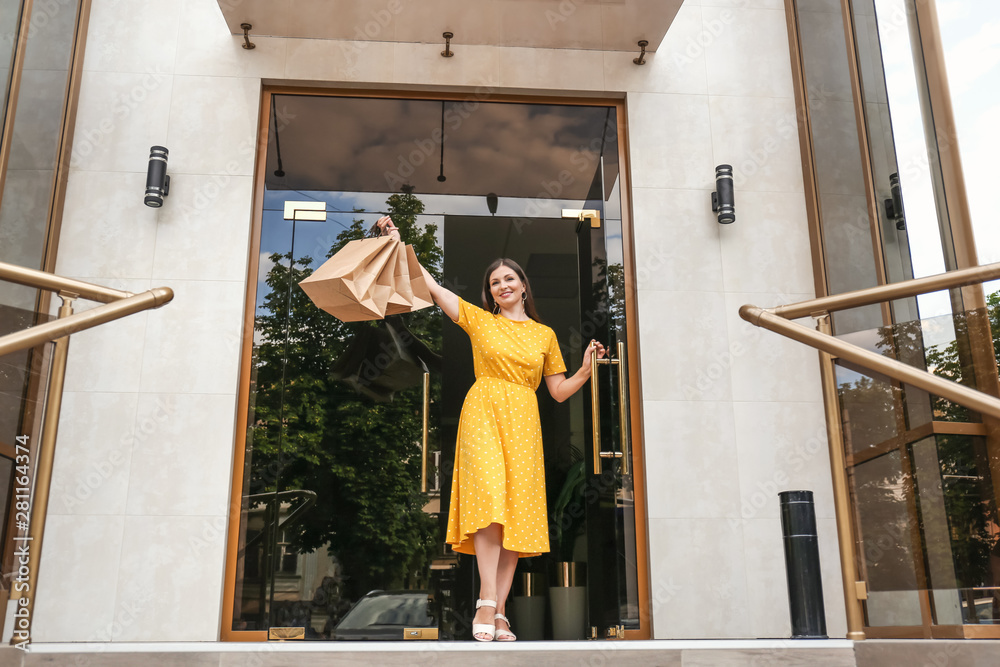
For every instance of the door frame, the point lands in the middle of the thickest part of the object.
(476, 96)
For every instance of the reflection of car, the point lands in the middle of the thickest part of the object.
(985, 610)
(385, 615)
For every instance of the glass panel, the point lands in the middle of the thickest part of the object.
(912, 210)
(34, 141)
(902, 472)
(333, 508)
(10, 20)
(966, 588)
(947, 346)
(20, 411)
(847, 236)
(888, 541)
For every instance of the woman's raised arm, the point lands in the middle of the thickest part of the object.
(443, 297)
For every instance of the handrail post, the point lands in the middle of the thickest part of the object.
(42, 480)
(841, 492)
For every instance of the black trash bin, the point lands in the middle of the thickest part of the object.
(805, 582)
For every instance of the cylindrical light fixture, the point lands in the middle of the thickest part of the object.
(157, 180)
(723, 199)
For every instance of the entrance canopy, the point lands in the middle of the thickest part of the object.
(608, 25)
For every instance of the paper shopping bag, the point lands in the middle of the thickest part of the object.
(418, 282)
(401, 299)
(357, 282)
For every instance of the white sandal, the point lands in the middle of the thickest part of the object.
(503, 635)
(484, 628)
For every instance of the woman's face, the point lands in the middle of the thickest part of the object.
(506, 287)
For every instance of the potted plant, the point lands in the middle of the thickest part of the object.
(568, 592)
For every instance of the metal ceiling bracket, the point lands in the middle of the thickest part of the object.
(641, 60)
(447, 53)
(247, 44)
(583, 214)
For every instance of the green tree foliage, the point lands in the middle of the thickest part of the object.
(360, 457)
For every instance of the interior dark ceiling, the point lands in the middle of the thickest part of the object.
(376, 145)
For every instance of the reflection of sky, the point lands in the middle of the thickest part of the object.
(513, 149)
(971, 38)
(970, 33)
(911, 151)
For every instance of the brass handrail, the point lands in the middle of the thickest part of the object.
(778, 320)
(43, 333)
(897, 370)
(901, 290)
(117, 304)
(12, 273)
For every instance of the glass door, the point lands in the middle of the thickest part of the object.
(351, 427)
(609, 489)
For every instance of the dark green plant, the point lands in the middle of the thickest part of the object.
(568, 512)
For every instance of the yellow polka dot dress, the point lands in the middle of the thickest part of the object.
(499, 466)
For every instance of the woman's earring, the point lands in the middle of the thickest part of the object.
(524, 296)
(496, 307)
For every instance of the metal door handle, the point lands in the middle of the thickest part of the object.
(423, 454)
(595, 411)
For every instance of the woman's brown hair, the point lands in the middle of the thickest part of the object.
(529, 300)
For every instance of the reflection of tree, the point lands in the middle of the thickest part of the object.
(950, 362)
(309, 432)
(970, 506)
(904, 341)
(608, 295)
(961, 480)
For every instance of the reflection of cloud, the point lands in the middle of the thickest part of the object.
(514, 150)
(264, 264)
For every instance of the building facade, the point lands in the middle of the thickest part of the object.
(224, 466)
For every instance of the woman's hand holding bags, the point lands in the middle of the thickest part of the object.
(369, 279)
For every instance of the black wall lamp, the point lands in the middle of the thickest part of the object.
(723, 200)
(157, 180)
(894, 206)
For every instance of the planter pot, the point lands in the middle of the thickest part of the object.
(568, 601)
(527, 613)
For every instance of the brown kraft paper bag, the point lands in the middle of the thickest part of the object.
(401, 300)
(357, 282)
(418, 282)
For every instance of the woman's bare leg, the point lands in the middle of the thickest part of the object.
(488, 549)
(505, 578)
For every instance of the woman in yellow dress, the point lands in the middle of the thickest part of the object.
(498, 508)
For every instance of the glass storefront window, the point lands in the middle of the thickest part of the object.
(336, 530)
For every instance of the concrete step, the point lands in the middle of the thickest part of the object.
(656, 653)
(928, 653)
